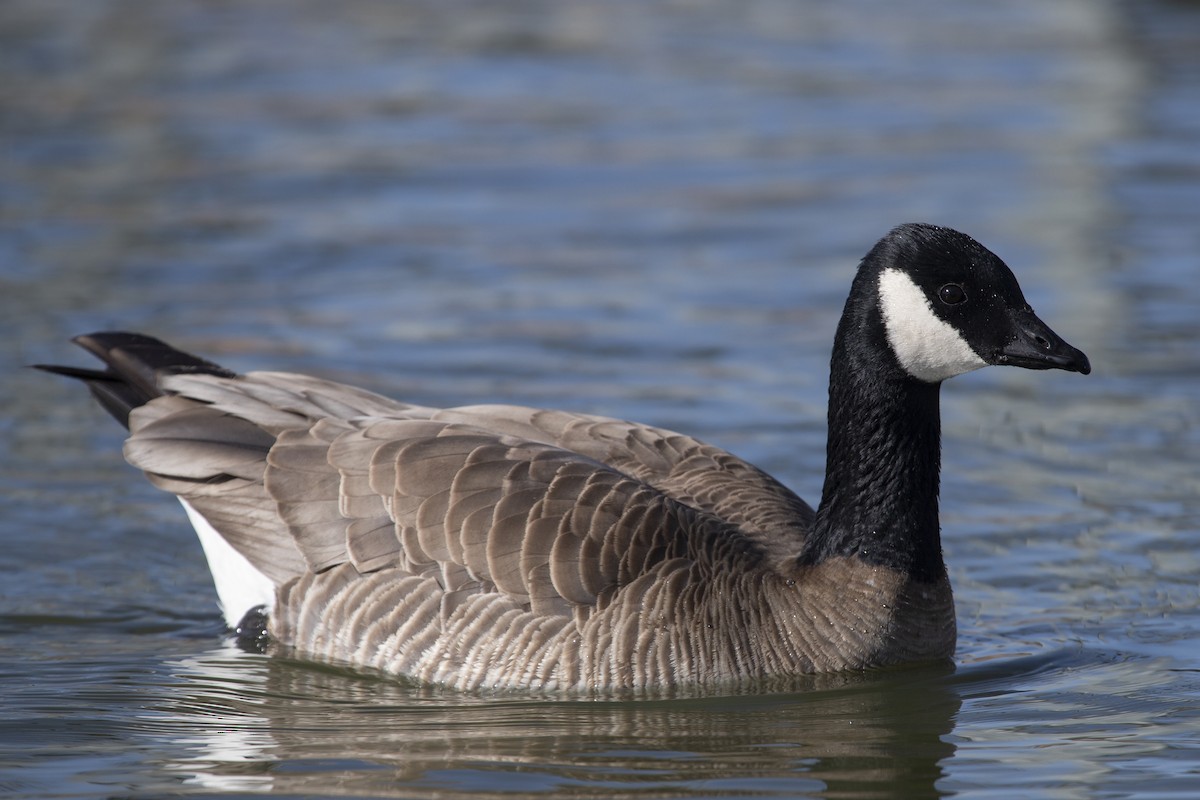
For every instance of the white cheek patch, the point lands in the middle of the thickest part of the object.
(928, 348)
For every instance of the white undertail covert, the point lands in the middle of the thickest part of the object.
(240, 586)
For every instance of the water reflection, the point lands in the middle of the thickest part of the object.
(241, 722)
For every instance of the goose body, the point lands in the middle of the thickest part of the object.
(494, 545)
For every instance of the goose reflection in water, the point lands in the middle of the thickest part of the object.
(241, 722)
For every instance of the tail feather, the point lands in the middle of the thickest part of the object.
(135, 365)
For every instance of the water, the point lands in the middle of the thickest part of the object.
(644, 210)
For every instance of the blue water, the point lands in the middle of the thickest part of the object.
(646, 210)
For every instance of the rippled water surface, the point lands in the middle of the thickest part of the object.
(650, 211)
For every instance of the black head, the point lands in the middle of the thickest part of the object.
(949, 305)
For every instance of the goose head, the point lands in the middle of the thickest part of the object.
(927, 303)
(948, 305)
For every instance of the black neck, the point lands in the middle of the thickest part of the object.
(880, 501)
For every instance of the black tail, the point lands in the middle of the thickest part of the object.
(135, 364)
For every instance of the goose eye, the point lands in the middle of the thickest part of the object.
(952, 294)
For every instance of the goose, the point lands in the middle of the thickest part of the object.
(492, 546)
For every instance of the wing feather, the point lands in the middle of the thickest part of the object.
(450, 523)
(683, 468)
